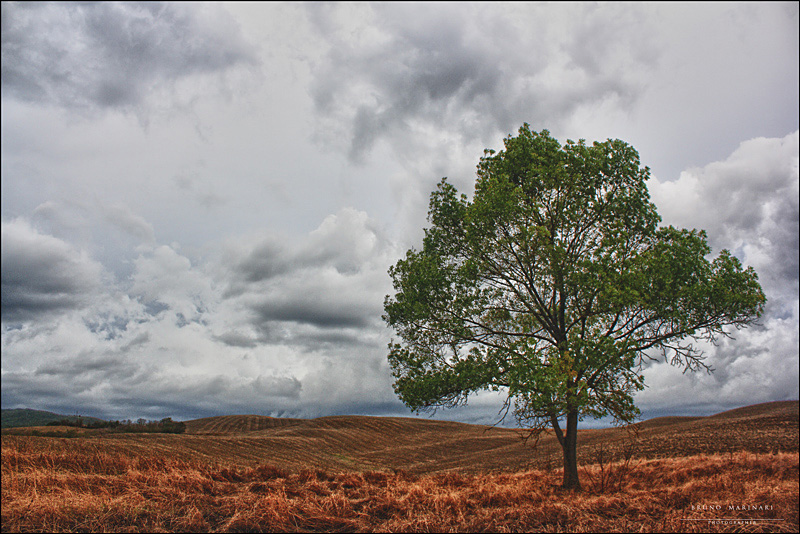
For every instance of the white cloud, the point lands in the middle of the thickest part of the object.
(214, 193)
(748, 203)
(164, 276)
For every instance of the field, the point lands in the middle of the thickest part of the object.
(253, 473)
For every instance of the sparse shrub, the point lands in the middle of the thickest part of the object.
(607, 473)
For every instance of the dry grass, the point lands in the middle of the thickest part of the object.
(63, 490)
(250, 473)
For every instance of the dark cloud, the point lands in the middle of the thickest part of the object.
(42, 275)
(87, 370)
(116, 389)
(311, 310)
(346, 241)
(473, 70)
(267, 259)
(112, 55)
(298, 308)
(335, 278)
(319, 335)
(233, 338)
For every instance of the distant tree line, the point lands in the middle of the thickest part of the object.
(164, 426)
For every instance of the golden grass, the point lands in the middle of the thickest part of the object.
(75, 486)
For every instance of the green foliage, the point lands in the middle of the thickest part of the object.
(142, 426)
(556, 283)
(164, 426)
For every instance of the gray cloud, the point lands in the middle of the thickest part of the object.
(335, 278)
(42, 274)
(118, 389)
(171, 271)
(748, 203)
(86, 371)
(473, 70)
(122, 217)
(310, 309)
(112, 55)
(347, 241)
(234, 338)
(169, 341)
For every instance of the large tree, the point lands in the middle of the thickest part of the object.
(556, 284)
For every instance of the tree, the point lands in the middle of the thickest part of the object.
(556, 284)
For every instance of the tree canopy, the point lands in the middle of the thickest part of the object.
(555, 283)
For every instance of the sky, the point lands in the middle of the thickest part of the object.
(200, 202)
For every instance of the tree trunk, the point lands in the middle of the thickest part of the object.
(569, 446)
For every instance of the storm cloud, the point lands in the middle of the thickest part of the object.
(113, 55)
(201, 201)
(473, 69)
(42, 275)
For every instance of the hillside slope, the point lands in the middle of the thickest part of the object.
(419, 445)
(360, 443)
(24, 417)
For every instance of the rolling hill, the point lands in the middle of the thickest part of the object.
(363, 474)
(421, 446)
(23, 417)
(361, 443)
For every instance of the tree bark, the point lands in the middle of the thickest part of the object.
(569, 446)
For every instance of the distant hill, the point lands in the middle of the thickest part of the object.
(24, 417)
(423, 445)
(227, 424)
(361, 443)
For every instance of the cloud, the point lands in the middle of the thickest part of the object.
(129, 222)
(218, 261)
(42, 275)
(748, 203)
(234, 338)
(166, 277)
(113, 55)
(271, 325)
(334, 279)
(392, 70)
(116, 388)
(344, 241)
(73, 219)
